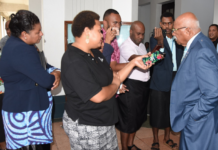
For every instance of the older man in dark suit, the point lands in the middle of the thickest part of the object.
(194, 93)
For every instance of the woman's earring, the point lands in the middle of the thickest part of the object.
(25, 38)
(87, 39)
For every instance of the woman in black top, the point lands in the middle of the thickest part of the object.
(90, 86)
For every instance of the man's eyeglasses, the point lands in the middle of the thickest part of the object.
(174, 30)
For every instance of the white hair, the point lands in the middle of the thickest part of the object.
(197, 24)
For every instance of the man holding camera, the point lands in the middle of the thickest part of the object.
(163, 73)
(112, 23)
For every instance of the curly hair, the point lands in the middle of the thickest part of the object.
(23, 20)
(82, 20)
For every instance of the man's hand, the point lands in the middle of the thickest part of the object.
(158, 36)
(57, 75)
(110, 35)
(123, 89)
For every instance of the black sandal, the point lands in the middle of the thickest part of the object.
(152, 148)
(130, 147)
(170, 146)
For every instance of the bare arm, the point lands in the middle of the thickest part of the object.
(136, 62)
(132, 57)
(117, 67)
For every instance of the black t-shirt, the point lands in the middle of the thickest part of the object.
(83, 76)
(215, 43)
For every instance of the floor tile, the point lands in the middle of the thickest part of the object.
(146, 132)
(143, 138)
(140, 144)
(57, 128)
(149, 141)
(63, 142)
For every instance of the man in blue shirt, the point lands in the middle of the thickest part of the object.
(163, 73)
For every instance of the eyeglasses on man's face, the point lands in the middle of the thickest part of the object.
(174, 30)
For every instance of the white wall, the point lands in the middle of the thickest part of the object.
(73, 7)
(144, 16)
(53, 27)
(135, 7)
(215, 17)
(128, 9)
(203, 9)
(36, 8)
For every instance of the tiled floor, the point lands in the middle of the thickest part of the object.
(143, 138)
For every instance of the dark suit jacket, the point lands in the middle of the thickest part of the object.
(26, 81)
(161, 79)
(107, 52)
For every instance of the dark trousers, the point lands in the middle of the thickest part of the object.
(36, 147)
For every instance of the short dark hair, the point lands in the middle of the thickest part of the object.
(167, 14)
(108, 12)
(23, 20)
(82, 20)
(215, 25)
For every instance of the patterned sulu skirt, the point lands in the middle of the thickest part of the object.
(86, 137)
(28, 128)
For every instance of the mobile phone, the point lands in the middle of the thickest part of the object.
(163, 32)
(116, 29)
(156, 56)
(156, 48)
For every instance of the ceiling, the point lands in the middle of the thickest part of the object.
(25, 2)
(7, 7)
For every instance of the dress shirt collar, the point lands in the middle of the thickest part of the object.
(169, 38)
(191, 40)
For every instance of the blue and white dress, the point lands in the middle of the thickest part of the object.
(29, 128)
